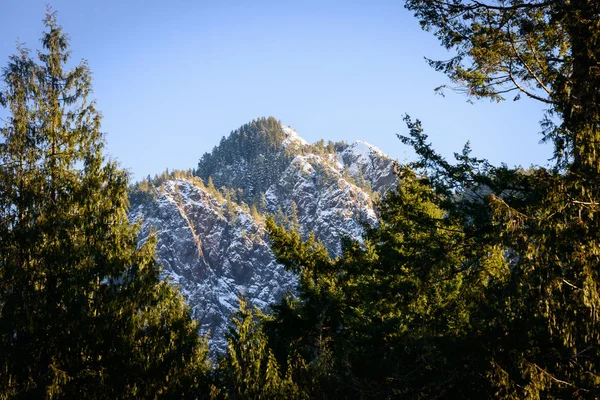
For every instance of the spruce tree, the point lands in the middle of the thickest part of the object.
(480, 281)
(83, 313)
(548, 219)
(249, 370)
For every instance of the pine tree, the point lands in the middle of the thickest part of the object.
(256, 216)
(548, 219)
(83, 313)
(256, 148)
(346, 173)
(230, 208)
(294, 221)
(481, 281)
(249, 369)
(211, 186)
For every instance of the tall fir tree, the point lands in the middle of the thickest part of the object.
(249, 370)
(481, 281)
(83, 313)
(548, 51)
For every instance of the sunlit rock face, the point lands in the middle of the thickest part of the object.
(213, 244)
(214, 254)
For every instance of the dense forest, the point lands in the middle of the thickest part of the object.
(479, 281)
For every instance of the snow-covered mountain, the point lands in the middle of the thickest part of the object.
(212, 242)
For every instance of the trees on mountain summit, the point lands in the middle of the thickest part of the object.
(251, 158)
(83, 313)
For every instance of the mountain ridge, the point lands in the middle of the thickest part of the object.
(209, 222)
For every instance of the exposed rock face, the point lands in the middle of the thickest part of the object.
(216, 249)
(326, 203)
(213, 252)
(371, 163)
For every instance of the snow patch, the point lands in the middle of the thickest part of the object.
(364, 150)
(292, 137)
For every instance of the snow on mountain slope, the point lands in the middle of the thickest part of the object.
(212, 253)
(370, 162)
(326, 203)
(292, 137)
(216, 249)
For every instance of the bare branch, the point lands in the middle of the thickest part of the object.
(522, 89)
(570, 284)
(585, 203)
(520, 57)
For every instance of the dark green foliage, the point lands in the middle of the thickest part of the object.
(340, 146)
(548, 220)
(321, 148)
(146, 190)
(547, 50)
(306, 327)
(251, 159)
(479, 282)
(143, 191)
(83, 313)
(249, 369)
(373, 316)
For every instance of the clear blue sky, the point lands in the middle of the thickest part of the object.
(172, 77)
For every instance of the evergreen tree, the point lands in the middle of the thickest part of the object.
(308, 326)
(257, 150)
(294, 222)
(249, 369)
(211, 186)
(330, 147)
(548, 220)
(83, 313)
(346, 173)
(256, 216)
(546, 50)
(480, 281)
(230, 208)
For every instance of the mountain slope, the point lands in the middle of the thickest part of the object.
(213, 250)
(213, 243)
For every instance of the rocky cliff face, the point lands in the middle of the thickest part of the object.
(214, 251)
(314, 191)
(213, 243)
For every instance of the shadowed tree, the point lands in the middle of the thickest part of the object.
(480, 281)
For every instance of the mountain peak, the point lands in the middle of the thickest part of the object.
(252, 157)
(363, 149)
(210, 228)
(291, 136)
